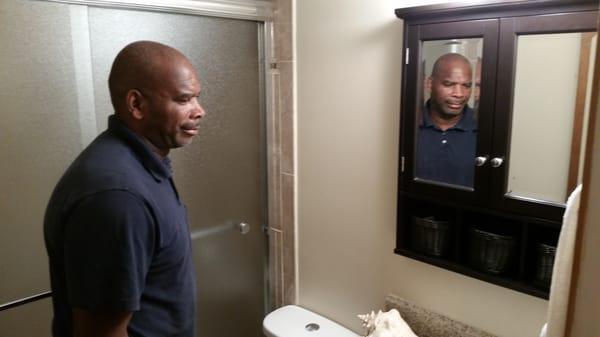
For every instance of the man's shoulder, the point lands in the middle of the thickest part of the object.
(107, 163)
(107, 148)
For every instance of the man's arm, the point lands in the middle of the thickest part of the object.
(95, 324)
(109, 240)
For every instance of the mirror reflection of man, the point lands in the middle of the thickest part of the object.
(447, 133)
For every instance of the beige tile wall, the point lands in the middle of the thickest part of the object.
(282, 175)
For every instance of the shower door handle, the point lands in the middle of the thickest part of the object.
(243, 227)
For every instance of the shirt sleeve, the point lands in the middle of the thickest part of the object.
(109, 243)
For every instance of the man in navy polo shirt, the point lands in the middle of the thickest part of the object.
(447, 134)
(115, 228)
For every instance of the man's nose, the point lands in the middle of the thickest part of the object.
(458, 91)
(198, 111)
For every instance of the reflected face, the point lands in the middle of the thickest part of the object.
(174, 111)
(450, 88)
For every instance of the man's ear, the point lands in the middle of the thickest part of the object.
(135, 104)
(428, 84)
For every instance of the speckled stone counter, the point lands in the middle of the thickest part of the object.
(430, 324)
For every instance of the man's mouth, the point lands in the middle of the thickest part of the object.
(455, 106)
(190, 132)
(190, 128)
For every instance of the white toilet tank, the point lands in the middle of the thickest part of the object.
(294, 321)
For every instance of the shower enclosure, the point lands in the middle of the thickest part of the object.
(54, 65)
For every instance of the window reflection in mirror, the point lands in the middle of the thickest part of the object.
(553, 81)
(446, 130)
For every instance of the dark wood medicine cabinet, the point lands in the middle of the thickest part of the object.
(530, 65)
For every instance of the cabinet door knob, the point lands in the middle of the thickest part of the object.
(481, 160)
(496, 162)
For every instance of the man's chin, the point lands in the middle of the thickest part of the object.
(453, 112)
(183, 142)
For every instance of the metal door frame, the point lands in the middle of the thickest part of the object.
(253, 10)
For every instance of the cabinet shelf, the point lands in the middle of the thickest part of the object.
(518, 285)
(457, 204)
(522, 268)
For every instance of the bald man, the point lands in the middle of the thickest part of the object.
(115, 229)
(447, 133)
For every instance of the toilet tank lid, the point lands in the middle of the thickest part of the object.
(294, 321)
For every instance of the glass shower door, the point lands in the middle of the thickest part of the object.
(41, 131)
(54, 78)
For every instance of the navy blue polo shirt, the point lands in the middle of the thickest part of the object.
(117, 238)
(447, 156)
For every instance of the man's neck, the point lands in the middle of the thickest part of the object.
(444, 122)
(138, 131)
(162, 154)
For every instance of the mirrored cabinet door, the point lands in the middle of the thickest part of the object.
(449, 95)
(543, 98)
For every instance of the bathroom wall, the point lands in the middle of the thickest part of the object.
(348, 88)
(347, 67)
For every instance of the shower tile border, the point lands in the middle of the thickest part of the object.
(282, 176)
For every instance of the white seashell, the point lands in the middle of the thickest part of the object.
(386, 324)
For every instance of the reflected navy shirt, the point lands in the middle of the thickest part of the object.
(447, 156)
(117, 238)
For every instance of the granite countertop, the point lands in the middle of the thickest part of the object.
(426, 323)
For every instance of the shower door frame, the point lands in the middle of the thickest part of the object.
(270, 97)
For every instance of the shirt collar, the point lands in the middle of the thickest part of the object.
(466, 123)
(159, 168)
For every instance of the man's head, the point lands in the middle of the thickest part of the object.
(154, 90)
(450, 85)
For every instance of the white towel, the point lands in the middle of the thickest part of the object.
(561, 272)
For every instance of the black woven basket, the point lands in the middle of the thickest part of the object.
(544, 264)
(429, 236)
(490, 252)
